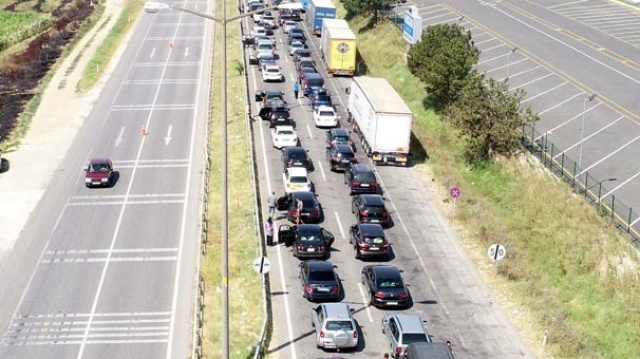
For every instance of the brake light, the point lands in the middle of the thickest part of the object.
(308, 288)
(398, 351)
(293, 212)
(379, 295)
(404, 295)
(322, 334)
(350, 143)
(300, 247)
(363, 245)
(373, 185)
(334, 289)
(289, 162)
(321, 248)
(364, 213)
(355, 184)
(385, 214)
(355, 334)
(314, 212)
(384, 245)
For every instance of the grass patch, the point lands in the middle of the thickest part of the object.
(572, 271)
(245, 289)
(18, 26)
(100, 60)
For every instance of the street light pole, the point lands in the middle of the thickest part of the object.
(584, 110)
(509, 60)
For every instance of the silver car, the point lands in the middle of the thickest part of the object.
(335, 326)
(402, 330)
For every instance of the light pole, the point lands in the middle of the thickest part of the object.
(153, 7)
(584, 111)
(612, 179)
(509, 60)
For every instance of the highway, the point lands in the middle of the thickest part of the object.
(110, 272)
(445, 287)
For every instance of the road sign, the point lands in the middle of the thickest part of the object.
(497, 252)
(455, 192)
(261, 265)
(412, 25)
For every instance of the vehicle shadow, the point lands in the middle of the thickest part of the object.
(115, 177)
(4, 165)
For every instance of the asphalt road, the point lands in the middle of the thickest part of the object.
(562, 52)
(445, 287)
(109, 273)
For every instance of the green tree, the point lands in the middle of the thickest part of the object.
(366, 7)
(443, 60)
(491, 118)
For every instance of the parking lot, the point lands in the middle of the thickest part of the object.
(599, 135)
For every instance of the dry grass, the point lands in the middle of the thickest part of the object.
(245, 290)
(567, 267)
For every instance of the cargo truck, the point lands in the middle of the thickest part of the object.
(382, 120)
(317, 10)
(338, 47)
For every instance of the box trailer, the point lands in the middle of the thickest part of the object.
(338, 49)
(317, 10)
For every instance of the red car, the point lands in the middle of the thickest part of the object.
(99, 173)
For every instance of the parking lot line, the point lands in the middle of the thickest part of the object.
(485, 41)
(510, 64)
(543, 93)
(530, 82)
(588, 137)
(566, 4)
(491, 59)
(494, 47)
(620, 186)
(561, 103)
(609, 155)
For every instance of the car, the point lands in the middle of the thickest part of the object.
(303, 70)
(319, 280)
(341, 157)
(325, 116)
(339, 136)
(265, 48)
(284, 17)
(311, 82)
(288, 25)
(385, 286)
(309, 241)
(295, 46)
(268, 21)
(278, 116)
(320, 97)
(302, 54)
(361, 179)
(295, 36)
(99, 173)
(298, 31)
(296, 179)
(257, 17)
(258, 31)
(265, 59)
(403, 329)
(334, 326)
(284, 136)
(268, 95)
(272, 73)
(296, 157)
(264, 37)
(310, 212)
(369, 241)
(370, 208)
(305, 62)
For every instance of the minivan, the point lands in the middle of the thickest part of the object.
(310, 81)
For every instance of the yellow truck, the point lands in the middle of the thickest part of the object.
(338, 47)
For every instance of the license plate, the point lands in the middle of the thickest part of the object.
(323, 289)
(392, 303)
(304, 214)
(345, 161)
(374, 248)
(375, 220)
(364, 185)
(311, 249)
(297, 163)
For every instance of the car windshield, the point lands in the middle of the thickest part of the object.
(285, 133)
(389, 283)
(339, 325)
(298, 179)
(265, 47)
(366, 177)
(324, 98)
(374, 240)
(273, 70)
(346, 154)
(409, 338)
(322, 276)
(297, 155)
(326, 113)
(98, 167)
(341, 138)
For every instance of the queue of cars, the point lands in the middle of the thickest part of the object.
(335, 327)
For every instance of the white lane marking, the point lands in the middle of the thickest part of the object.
(89, 342)
(570, 120)
(119, 138)
(532, 81)
(167, 138)
(99, 315)
(156, 166)
(587, 137)
(339, 225)
(619, 186)
(79, 322)
(117, 162)
(153, 52)
(509, 64)
(49, 327)
(309, 130)
(186, 51)
(543, 93)
(287, 310)
(171, 64)
(609, 155)
(324, 177)
(367, 306)
(522, 72)
(122, 210)
(113, 196)
(286, 57)
(561, 103)
(64, 209)
(292, 78)
(128, 202)
(159, 107)
(111, 259)
(168, 38)
(637, 81)
(566, 4)
(116, 250)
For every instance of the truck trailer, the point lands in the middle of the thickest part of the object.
(317, 10)
(382, 120)
(338, 49)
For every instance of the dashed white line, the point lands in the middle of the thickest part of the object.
(309, 131)
(339, 225)
(365, 301)
(324, 177)
(153, 52)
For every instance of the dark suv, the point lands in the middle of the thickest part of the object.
(308, 240)
(361, 179)
(279, 116)
(320, 97)
(369, 241)
(341, 157)
(296, 157)
(339, 136)
(370, 208)
(310, 207)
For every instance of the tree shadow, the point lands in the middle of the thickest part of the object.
(429, 102)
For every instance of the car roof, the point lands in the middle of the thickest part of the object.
(294, 150)
(372, 199)
(317, 265)
(313, 75)
(284, 128)
(385, 270)
(308, 228)
(339, 132)
(325, 108)
(360, 167)
(297, 171)
(410, 323)
(336, 311)
(430, 350)
(273, 93)
(371, 230)
(303, 195)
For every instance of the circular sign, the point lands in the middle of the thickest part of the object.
(343, 47)
(455, 192)
(261, 265)
(497, 252)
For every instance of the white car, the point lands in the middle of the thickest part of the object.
(272, 73)
(258, 31)
(296, 45)
(268, 20)
(265, 47)
(257, 17)
(296, 179)
(288, 25)
(325, 116)
(284, 136)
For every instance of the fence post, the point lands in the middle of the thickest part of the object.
(562, 166)
(629, 220)
(586, 184)
(575, 169)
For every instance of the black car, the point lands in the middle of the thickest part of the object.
(370, 208)
(361, 179)
(279, 116)
(339, 136)
(296, 157)
(308, 240)
(320, 97)
(319, 280)
(385, 285)
(341, 157)
(369, 241)
(305, 62)
(295, 36)
(268, 95)
(310, 207)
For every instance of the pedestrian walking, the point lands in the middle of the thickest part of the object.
(299, 206)
(268, 231)
(271, 204)
(296, 89)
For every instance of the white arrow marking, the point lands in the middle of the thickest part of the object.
(186, 52)
(167, 139)
(153, 52)
(119, 139)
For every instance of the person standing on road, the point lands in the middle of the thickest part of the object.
(271, 204)
(296, 89)
(299, 206)
(268, 231)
